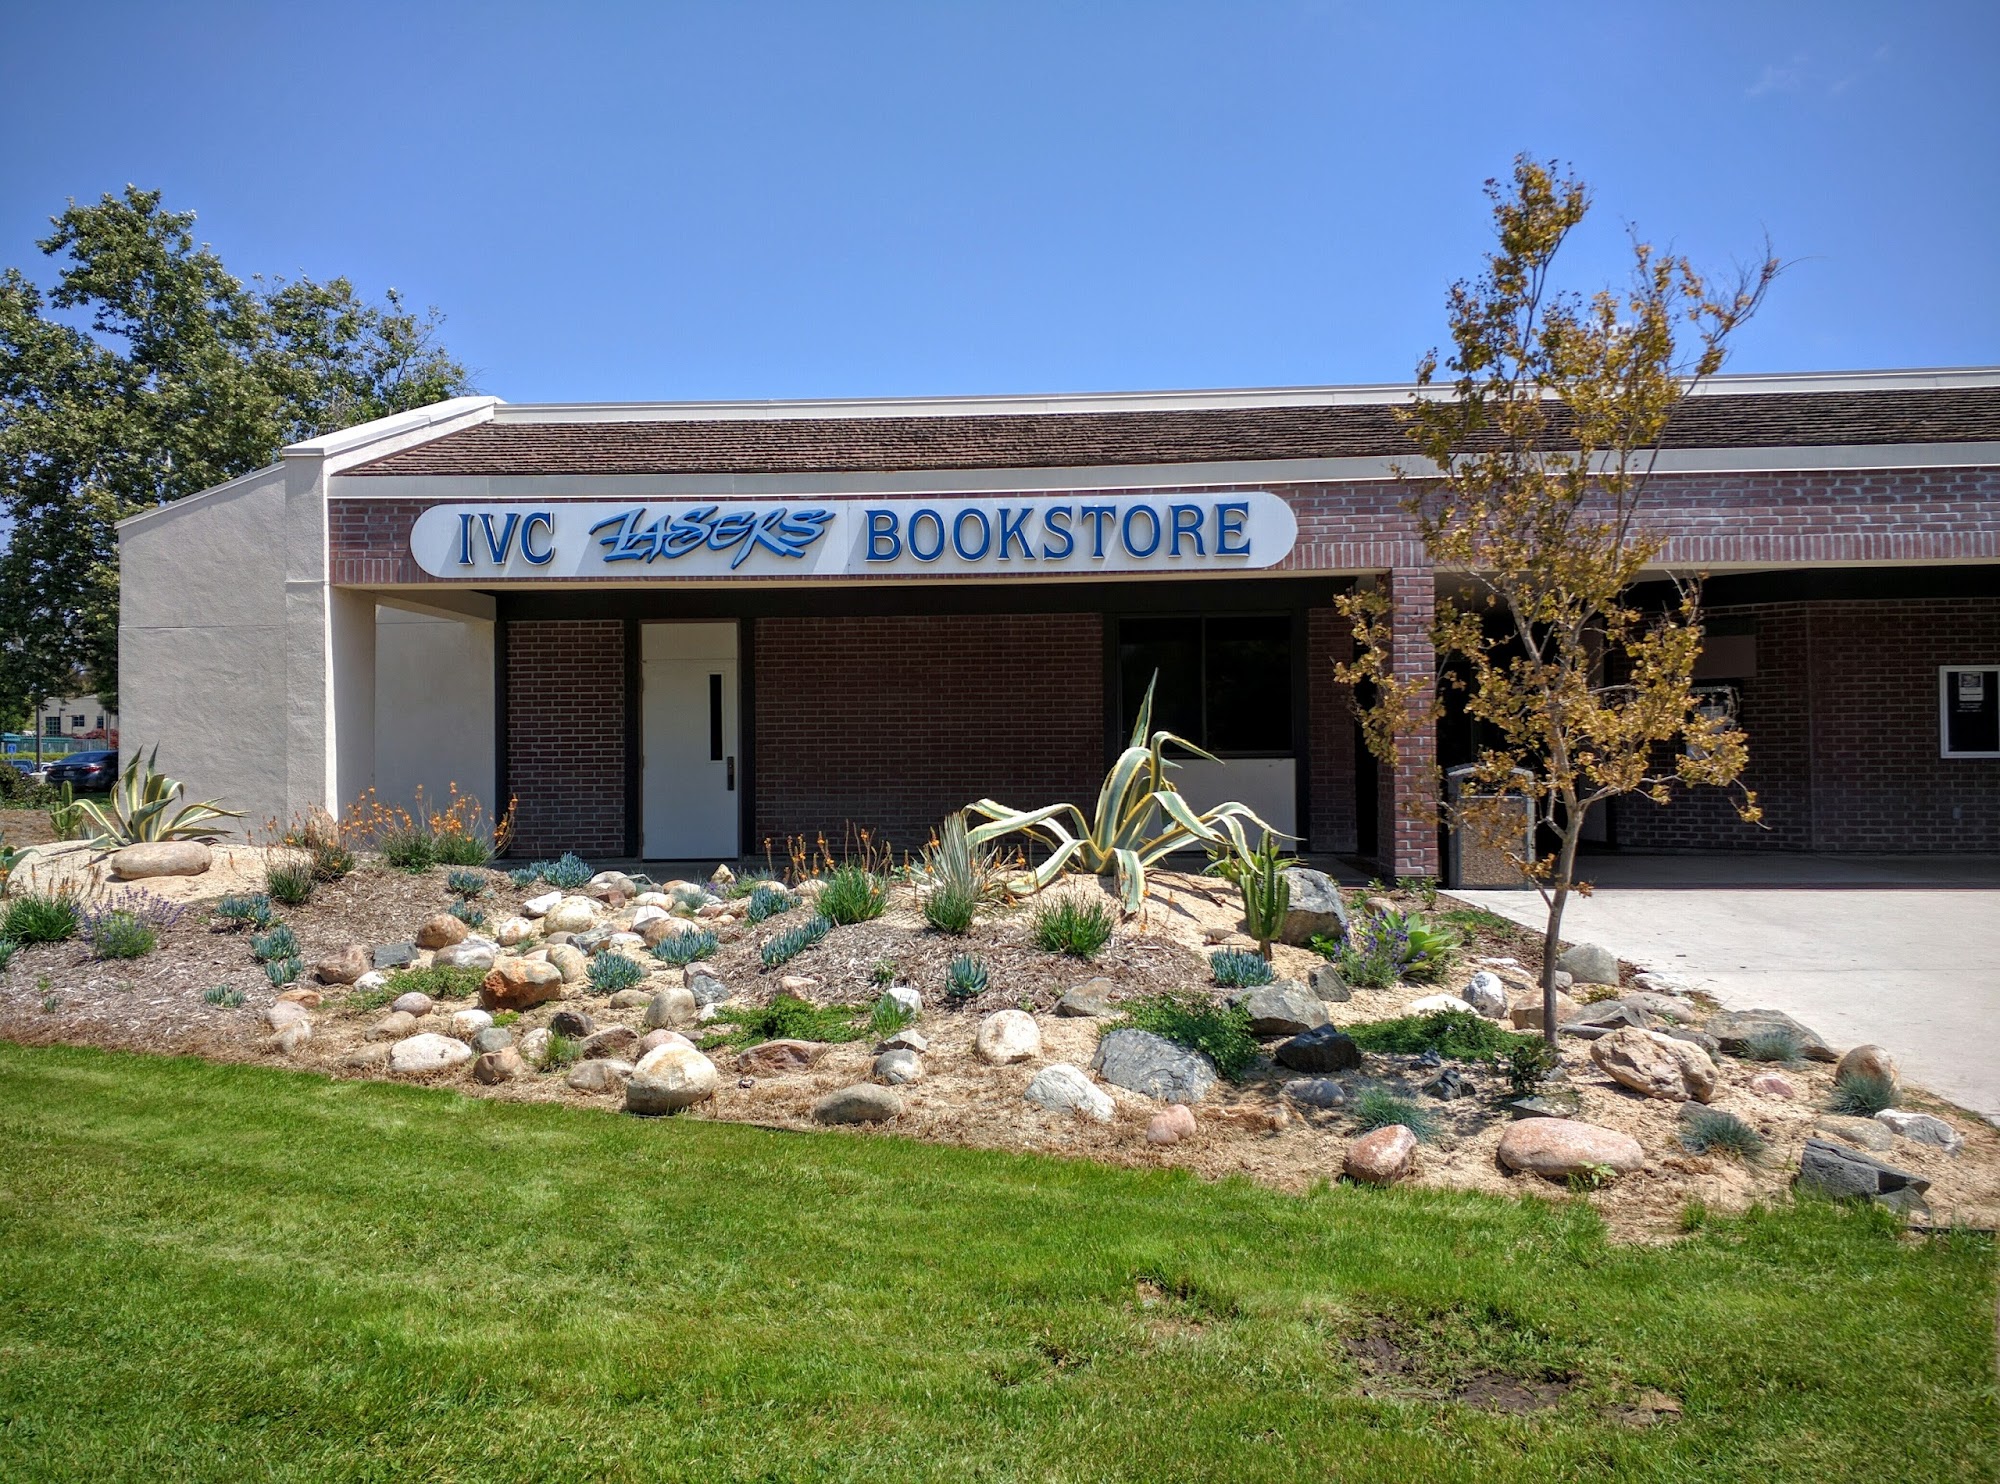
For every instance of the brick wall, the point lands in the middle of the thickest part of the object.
(566, 736)
(1843, 724)
(1330, 743)
(891, 723)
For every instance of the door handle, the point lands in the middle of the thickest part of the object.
(732, 775)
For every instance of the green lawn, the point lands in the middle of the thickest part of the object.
(231, 1272)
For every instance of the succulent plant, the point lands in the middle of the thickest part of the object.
(966, 978)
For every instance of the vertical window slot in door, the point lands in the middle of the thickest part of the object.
(715, 718)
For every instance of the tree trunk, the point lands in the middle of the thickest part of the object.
(1565, 872)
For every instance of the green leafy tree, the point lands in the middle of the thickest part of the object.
(149, 372)
(1533, 482)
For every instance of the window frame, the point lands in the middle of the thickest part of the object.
(1296, 639)
(1944, 708)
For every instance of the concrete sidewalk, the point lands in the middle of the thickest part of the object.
(1914, 968)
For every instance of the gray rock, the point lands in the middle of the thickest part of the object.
(574, 1024)
(1285, 1008)
(1091, 998)
(470, 954)
(1316, 907)
(1142, 1062)
(909, 999)
(1589, 964)
(1328, 985)
(1322, 1050)
(1555, 1103)
(672, 1008)
(612, 1041)
(706, 988)
(1694, 1037)
(1486, 994)
(1062, 1088)
(1733, 1030)
(493, 1038)
(1863, 1133)
(862, 1103)
(1316, 1092)
(1612, 1014)
(416, 1002)
(898, 1066)
(599, 1076)
(631, 999)
(1847, 1174)
(394, 955)
(906, 1040)
(1449, 1084)
(1925, 1128)
(416, 1055)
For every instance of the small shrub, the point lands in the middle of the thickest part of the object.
(1527, 1065)
(280, 942)
(1591, 1177)
(1375, 1108)
(407, 848)
(1374, 952)
(853, 894)
(1220, 1032)
(889, 1016)
(1077, 928)
(439, 981)
(682, 949)
(883, 973)
(459, 848)
(1711, 1130)
(1470, 921)
(525, 877)
(795, 940)
(1238, 968)
(506, 1017)
(1433, 949)
(789, 1018)
(747, 883)
(227, 996)
(1862, 1094)
(121, 935)
(767, 900)
(467, 884)
(1421, 886)
(7, 948)
(290, 881)
(966, 978)
(611, 972)
(368, 999)
(1458, 1034)
(331, 860)
(40, 917)
(236, 913)
(1326, 945)
(50, 1003)
(1779, 1044)
(566, 872)
(949, 910)
(562, 1052)
(282, 971)
(473, 917)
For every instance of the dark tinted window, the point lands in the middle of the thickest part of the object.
(1225, 684)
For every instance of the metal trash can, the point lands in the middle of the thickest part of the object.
(1470, 860)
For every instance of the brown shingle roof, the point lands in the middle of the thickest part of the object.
(1082, 439)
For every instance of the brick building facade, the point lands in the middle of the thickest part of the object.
(833, 674)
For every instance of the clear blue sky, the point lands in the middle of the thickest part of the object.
(765, 200)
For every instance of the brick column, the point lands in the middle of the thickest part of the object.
(1408, 845)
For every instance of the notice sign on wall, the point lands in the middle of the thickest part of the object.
(999, 536)
(1969, 710)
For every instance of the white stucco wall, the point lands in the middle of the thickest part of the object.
(202, 659)
(433, 707)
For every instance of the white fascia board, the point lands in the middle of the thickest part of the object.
(1174, 401)
(387, 435)
(448, 487)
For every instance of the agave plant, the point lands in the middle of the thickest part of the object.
(1141, 818)
(141, 808)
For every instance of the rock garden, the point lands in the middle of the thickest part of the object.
(1374, 1036)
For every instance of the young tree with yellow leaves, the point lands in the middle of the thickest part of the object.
(1531, 489)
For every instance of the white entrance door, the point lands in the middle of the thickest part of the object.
(688, 736)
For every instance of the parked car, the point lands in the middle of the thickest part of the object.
(34, 772)
(86, 772)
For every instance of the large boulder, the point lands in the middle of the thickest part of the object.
(1316, 908)
(897, 1066)
(864, 1102)
(1863, 1133)
(397, 1025)
(160, 858)
(775, 1058)
(1656, 1065)
(1323, 1050)
(1431, 1004)
(394, 955)
(570, 915)
(493, 1038)
(1587, 963)
(1092, 998)
(465, 1024)
(669, 1078)
(1561, 1147)
(706, 988)
(1847, 1174)
(1316, 1092)
(1867, 1061)
(607, 1074)
(344, 966)
(1526, 1012)
(1285, 1008)
(504, 1065)
(415, 1002)
(572, 963)
(1486, 994)
(1062, 1088)
(441, 931)
(1170, 1125)
(671, 1008)
(1142, 1062)
(474, 953)
(1381, 1157)
(519, 984)
(512, 931)
(1326, 982)
(1925, 1128)
(1008, 1036)
(613, 1041)
(417, 1056)
(573, 1023)
(1735, 1029)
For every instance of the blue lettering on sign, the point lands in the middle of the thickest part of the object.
(1011, 529)
(1152, 523)
(937, 524)
(958, 535)
(498, 545)
(1229, 518)
(782, 532)
(1187, 522)
(1056, 554)
(1097, 515)
(539, 518)
(881, 529)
